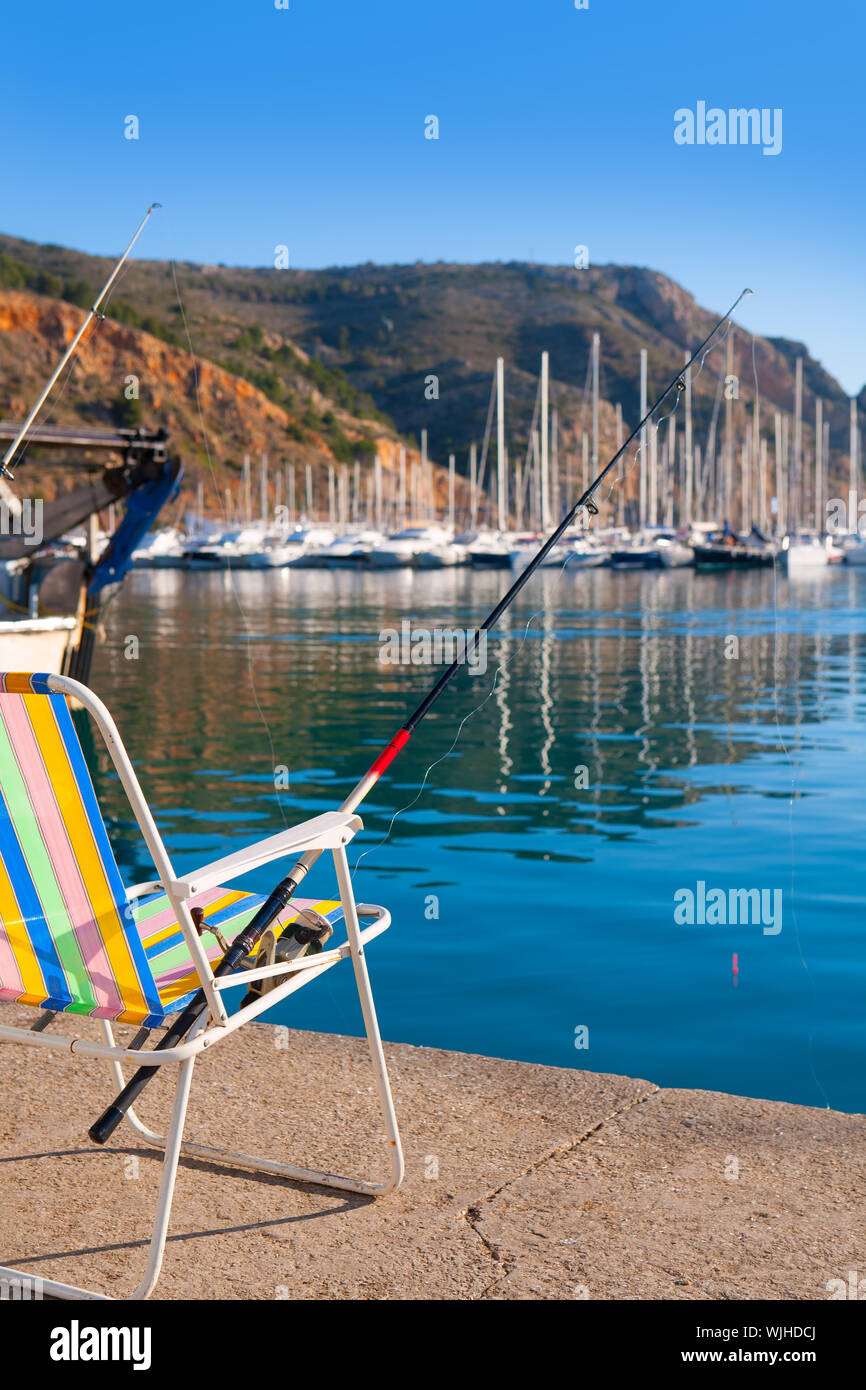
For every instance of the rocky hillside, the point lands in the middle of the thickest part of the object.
(416, 344)
(213, 416)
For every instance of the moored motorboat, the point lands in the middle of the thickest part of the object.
(55, 572)
(162, 549)
(306, 546)
(804, 553)
(402, 549)
(351, 550)
(641, 553)
(442, 554)
(490, 549)
(725, 550)
(674, 552)
(576, 551)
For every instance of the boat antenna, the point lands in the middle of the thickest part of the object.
(247, 940)
(5, 469)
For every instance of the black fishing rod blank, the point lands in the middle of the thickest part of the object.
(246, 941)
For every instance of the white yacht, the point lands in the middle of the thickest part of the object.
(674, 552)
(161, 549)
(351, 550)
(576, 550)
(804, 553)
(851, 547)
(306, 546)
(491, 549)
(442, 554)
(401, 550)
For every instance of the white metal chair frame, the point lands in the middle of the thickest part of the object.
(331, 831)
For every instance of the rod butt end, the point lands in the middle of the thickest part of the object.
(104, 1127)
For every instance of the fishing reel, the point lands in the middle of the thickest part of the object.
(305, 936)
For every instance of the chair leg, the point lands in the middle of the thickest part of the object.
(380, 1071)
(371, 1023)
(172, 1147)
(166, 1182)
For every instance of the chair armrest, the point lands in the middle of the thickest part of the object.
(330, 831)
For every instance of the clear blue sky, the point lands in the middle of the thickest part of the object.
(306, 127)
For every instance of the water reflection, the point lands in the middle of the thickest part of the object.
(694, 745)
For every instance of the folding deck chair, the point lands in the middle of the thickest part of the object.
(74, 940)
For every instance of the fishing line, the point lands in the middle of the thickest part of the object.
(69, 354)
(64, 383)
(617, 480)
(781, 738)
(486, 442)
(99, 318)
(284, 891)
(465, 720)
(630, 468)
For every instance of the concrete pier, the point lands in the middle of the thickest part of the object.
(523, 1181)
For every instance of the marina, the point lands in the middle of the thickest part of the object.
(673, 502)
(580, 702)
(432, 672)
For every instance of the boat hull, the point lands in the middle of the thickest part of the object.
(636, 560)
(492, 560)
(722, 557)
(38, 644)
(676, 557)
(390, 560)
(805, 560)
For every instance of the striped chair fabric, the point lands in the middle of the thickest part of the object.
(70, 940)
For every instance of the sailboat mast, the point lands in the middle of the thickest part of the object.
(853, 466)
(247, 486)
(473, 485)
(621, 500)
(729, 429)
(554, 463)
(688, 447)
(643, 440)
(451, 466)
(819, 465)
(596, 343)
(545, 442)
(502, 518)
(778, 462)
(745, 479)
(798, 488)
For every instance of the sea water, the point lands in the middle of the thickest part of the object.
(633, 737)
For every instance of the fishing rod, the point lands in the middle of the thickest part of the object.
(246, 941)
(68, 354)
